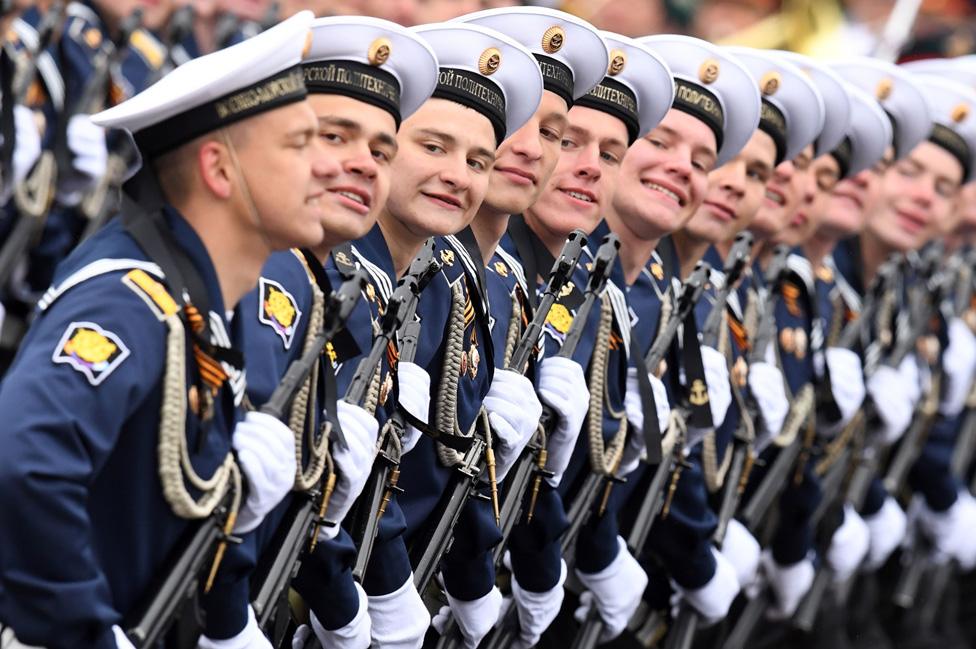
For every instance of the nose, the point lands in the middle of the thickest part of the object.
(784, 171)
(679, 165)
(362, 163)
(733, 181)
(525, 142)
(456, 173)
(588, 162)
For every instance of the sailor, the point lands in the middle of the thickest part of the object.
(488, 87)
(96, 457)
(354, 72)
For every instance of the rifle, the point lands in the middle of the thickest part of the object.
(854, 469)
(34, 196)
(308, 516)
(595, 284)
(385, 473)
(691, 292)
(179, 585)
(469, 471)
(688, 619)
(531, 465)
(96, 205)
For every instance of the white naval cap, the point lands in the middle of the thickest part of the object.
(713, 86)
(897, 92)
(208, 93)
(792, 108)
(487, 72)
(572, 57)
(373, 60)
(837, 103)
(952, 107)
(961, 69)
(868, 136)
(638, 88)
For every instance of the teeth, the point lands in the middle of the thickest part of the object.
(580, 197)
(667, 192)
(776, 198)
(353, 197)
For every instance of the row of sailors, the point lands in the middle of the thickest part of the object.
(273, 169)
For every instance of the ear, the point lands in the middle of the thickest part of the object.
(213, 163)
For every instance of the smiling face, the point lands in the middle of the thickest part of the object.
(664, 176)
(854, 199)
(446, 152)
(584, 179)
(917, 198)
(781, 198)
(821, 179)
(283, 166)
(735, 191)
(361, 139)
(525, 161)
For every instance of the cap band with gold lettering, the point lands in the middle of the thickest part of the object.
(616, 99)
(276, 91)
(701, 103)
(476, 92)
(366, 83)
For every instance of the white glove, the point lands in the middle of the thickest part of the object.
(413, 386)
(616, 590)
(892, 396)
(562, 386)
(742, 550)
(250, 637)
(846, 384)
(514, 411)
(769, 390)
(959, 365)
(887, 529)
(714, 599)
(951, 531)
(717, 380)
(536, 611)
(475, 618)
(86, 140)
(848, 546)
(355, 635)
(399, 619)
(266, 454)
(912, 378)
(635, 450)
(788, 583)
(121, 641)
(353, 461)
(27, 149)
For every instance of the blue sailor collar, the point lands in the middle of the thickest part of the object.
(187, 238)
(373, 255)
(717, 278)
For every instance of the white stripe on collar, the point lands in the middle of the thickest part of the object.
(380, 278)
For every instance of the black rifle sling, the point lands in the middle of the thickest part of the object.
(331, 388)
(7, 129)
(652, 428)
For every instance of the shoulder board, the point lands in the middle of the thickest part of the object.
(46, 66)
(148, 47)
(92, 270)
(82, 26)
(152, 292)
